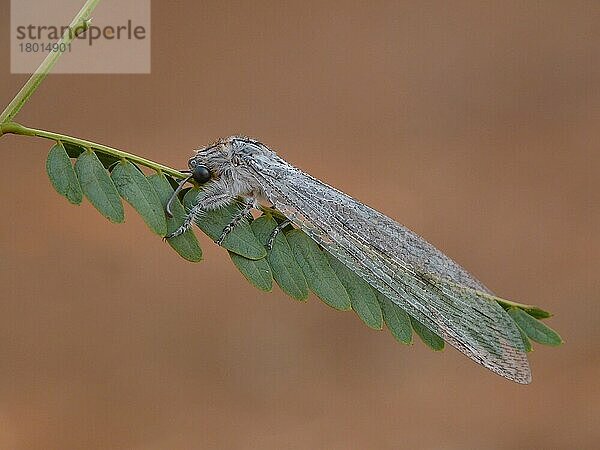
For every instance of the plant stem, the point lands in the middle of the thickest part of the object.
(15, 128)
(79, 24)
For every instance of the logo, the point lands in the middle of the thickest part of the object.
(115, 40)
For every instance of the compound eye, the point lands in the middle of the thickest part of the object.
(201, 174)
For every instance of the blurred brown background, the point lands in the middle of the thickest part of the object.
(475, 125)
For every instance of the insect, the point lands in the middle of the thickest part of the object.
(412, 273)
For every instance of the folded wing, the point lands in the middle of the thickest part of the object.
(401, 265)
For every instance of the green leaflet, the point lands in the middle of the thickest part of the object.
(263, 227)
(74, 151)
(137, 191)
(185, 244)
(526, 342)
(432, 340)
(256, 271)
(62, 175)
(286, 271)
(241, 240)
(535, 329)
(320, 277)
(396, 319)
(362, 296)
(536, 312)
(98, 187)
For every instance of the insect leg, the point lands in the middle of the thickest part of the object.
(207, 202)
(278, 229)
(249, 203)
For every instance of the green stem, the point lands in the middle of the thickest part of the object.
(79, 24)
(15, 128)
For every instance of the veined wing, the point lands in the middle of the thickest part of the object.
(409, 271)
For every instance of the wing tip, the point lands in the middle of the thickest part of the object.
(521, 376)
(516, 369)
